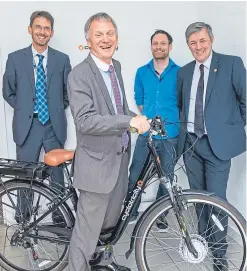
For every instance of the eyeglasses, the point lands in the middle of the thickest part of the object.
(39, 28)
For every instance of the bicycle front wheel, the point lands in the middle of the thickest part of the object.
(217, 231)
(19, 206)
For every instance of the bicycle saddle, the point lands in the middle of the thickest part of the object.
(58, 156)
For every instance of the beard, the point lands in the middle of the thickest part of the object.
(160, 55)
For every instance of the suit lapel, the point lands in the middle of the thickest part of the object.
(29, 67)
(50, 65)
(187, 88)
(120, 79)
(101, 83)
(212, 76)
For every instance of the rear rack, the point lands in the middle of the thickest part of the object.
(24, 169)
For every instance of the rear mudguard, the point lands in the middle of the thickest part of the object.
(46, 187)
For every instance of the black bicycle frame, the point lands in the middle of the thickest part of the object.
(150, 168)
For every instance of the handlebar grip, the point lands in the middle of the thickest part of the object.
(133, 130)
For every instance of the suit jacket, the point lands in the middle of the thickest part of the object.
(98, 128)
(19, 91)
(225, 105)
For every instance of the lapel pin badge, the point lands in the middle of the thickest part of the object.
(215, 70)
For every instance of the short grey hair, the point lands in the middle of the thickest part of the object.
(98, 16)
(196, 27)
(41, 13)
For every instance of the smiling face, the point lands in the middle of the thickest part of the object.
(160, 46)
(200, 45)
(41, 33)
(102, 40)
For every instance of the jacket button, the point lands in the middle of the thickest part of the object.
(118, 153)
(29, 117)
(33, 99)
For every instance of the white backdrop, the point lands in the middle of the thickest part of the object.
(136, 22)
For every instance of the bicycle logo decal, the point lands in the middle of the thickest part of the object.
(132, 200)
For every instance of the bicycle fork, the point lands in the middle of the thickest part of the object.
(178, 206)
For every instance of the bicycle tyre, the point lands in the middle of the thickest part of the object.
(165, 205)
(49, 194)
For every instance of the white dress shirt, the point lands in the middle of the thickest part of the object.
(194, 85)
(36, 60)
(104, 70)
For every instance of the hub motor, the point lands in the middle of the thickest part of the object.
(200, 245)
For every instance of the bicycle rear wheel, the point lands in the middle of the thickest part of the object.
(166, 250)
(19, 252)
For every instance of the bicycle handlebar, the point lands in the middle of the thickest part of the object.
(156, 127)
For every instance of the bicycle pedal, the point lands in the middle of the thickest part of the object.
(108, 252)
(96, 258)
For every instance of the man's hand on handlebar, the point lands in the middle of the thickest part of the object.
(140, 123)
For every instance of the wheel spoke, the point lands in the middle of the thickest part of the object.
(20, 255)
(205, 219)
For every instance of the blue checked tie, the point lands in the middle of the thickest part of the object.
(199, 114)
(117, 96)
(41, 101)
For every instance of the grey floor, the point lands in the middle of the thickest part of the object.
(170, 260)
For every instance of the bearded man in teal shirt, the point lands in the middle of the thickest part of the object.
(156, 95)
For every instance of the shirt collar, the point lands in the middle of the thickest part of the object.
(100, 64)
(206, 63)
(170, 64)
(45, 53)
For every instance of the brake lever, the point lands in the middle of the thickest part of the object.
(133, 130)
(163, 131)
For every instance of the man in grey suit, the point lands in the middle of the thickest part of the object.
(212, 100)
(35, 86)
(102, 120)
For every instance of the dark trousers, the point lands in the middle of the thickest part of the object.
(166, 150)
(39, 135)
(207, 172)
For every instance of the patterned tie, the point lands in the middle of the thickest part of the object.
(117, 96)
(41, 101)
(199, 114)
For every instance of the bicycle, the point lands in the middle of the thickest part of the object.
(194, 249)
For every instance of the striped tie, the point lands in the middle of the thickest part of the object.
(41, 101)
(117, 96)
